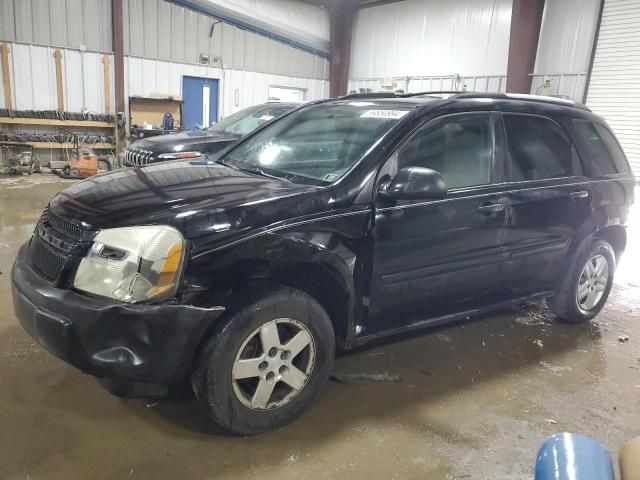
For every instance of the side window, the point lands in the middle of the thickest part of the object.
(606, 154)
(457, 146)
(538, 149)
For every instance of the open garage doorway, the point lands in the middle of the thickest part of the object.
(200, 108)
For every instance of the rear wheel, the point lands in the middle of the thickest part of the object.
(266, 363)
(587, 286)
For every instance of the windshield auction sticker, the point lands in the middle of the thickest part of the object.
(388, 114)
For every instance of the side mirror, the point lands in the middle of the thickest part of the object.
(415, 183)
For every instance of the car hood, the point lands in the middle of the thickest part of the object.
(199, 198)
(180, 142)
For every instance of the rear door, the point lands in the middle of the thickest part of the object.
(437, 257)
(549, 202)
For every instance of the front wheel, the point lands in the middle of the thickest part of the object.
(587, 285)
(266, 363)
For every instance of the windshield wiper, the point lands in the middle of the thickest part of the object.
(254, 170)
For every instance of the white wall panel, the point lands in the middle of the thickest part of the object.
(22, 88)
(431, 37)
(42, 74)
(475, 83)
(566, 36)
(93, 81)
(73, 81)
(2, 85)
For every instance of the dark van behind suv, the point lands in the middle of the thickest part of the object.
(339, 223)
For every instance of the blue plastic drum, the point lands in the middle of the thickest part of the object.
(570, 456)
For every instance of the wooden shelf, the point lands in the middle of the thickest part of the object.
(94, 146)
(56, 123)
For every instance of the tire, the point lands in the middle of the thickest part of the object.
(566, 305)
(230, 397)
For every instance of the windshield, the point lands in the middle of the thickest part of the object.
(316, 144)
(247, 120)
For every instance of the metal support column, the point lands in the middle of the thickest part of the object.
(342, 15)
(118, 65)
(526, 19)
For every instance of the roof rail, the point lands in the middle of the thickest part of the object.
(523, 96)
(370, 95)
(400, 94)
(435, 92)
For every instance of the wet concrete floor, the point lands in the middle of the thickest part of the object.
(475, 400)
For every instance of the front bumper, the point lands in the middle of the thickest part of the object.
(153, 344)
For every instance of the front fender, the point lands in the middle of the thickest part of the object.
(329, 253)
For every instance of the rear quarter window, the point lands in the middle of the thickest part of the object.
(604, 152)
(538, 149)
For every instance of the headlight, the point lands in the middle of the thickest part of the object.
(132, 264)
(178, 155)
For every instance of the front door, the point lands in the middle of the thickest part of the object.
(437, 257)
(200, 108)
(549, 202)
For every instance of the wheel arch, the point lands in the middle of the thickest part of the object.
(616, 235)
(256, 269)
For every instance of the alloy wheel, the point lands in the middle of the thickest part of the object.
(593, 282)
(273, 364)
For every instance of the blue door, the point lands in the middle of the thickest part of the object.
(200, 108)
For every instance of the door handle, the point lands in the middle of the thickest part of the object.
(488, 208)
(579, 194)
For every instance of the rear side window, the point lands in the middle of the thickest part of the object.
(538, 149)
(605, 152)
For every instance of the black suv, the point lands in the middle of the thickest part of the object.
(341, 222)
(194, 143)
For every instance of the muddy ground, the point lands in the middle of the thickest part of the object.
(475, 400)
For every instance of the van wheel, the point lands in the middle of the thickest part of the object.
(587, 286)
(264, 364)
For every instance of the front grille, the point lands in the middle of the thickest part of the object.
(57, 242)
(46, 259)
(62, 226)
(136, 156)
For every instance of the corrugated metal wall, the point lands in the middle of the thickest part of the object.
(564, 47)
(289, 16)
(163, 42)
(33, 79)
(566, 35)
(613, 89)
(59, 23)
(145, 76)
(160, 30)
(431, 43)
(303, 23)
(153, 29)
(431, 38)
